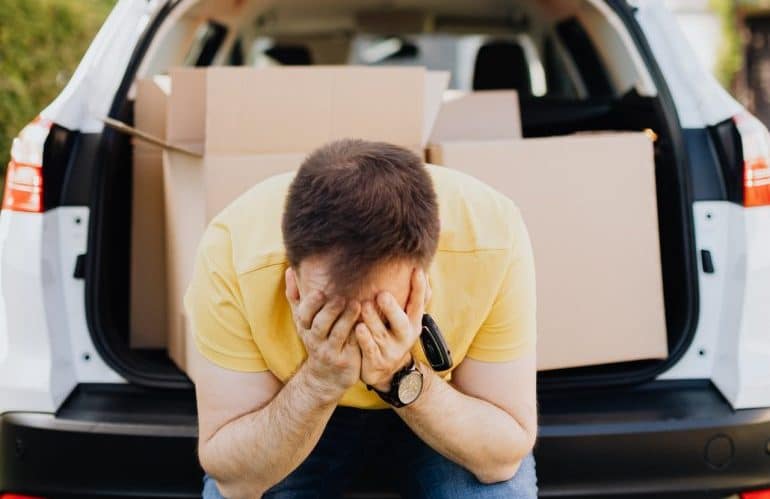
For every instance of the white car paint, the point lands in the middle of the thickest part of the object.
(87, 97)
(742, 367)
(711, 229)
(35, 370)
(72, 222)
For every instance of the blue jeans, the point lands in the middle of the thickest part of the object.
(354, 438)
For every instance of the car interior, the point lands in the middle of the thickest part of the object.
(574, 63)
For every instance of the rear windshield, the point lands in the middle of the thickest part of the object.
(570, 52)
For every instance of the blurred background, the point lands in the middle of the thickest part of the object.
(41, 42)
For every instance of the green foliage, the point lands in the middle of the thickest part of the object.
(730, 57)
(41, 43)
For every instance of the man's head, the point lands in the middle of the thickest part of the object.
(359, 217)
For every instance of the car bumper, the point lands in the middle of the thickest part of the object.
(106, 441)
(661, 440)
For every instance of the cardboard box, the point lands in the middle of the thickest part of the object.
(147, 319)
(484, 115)
(590, 205)
(242, 125)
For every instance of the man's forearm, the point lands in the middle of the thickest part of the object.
(254, 452)
(474, 433)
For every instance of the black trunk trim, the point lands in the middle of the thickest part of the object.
(105, 334)
(58, 150)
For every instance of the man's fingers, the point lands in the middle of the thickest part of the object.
(351, 340)
(308, 308)
(373, 322)
(415, 306)
(399, 322)
(344, 326)
(324, 320)
(369, 347)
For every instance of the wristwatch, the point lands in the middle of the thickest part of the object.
(405, 387)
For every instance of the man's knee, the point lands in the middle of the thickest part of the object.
(443, 479)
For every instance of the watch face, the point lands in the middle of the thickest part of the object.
(409, 387)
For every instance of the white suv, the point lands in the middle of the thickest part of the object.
(83, 414)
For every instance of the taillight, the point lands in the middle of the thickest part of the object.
(24, 177)
(757, 494)
(756, 182)
(23, 187)
(755, 142)
(18, 496)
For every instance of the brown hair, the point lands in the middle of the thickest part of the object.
(361, 203)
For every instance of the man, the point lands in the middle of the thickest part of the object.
(307, 300)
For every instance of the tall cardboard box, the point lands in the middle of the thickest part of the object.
(248, 124)
(147, 319)
(589, 202)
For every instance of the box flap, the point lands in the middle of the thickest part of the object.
(186, 115)
(379, 103)
(436, 83)
(296, 109)
(150, 105)
(485, 115)
(267, 110)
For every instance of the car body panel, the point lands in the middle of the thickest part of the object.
(72, 222)
(711, 235)
(27, 379)
(742, 367)
(87, 97)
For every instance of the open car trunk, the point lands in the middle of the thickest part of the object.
(556, 98)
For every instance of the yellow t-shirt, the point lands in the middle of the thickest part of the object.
(482, 279)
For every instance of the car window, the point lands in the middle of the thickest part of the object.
(208, 40)
(574, 52)
(564, 64)
(587, 61)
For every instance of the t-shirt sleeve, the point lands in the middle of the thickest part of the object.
(509, 330)
(214, 304)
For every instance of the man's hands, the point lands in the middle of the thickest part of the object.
(349, 341)
(385, 349)
(334, 359)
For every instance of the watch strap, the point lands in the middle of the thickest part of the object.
(391, 396)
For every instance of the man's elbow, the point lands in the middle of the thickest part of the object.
(496, 474)
(504, 470)
(228, 487)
